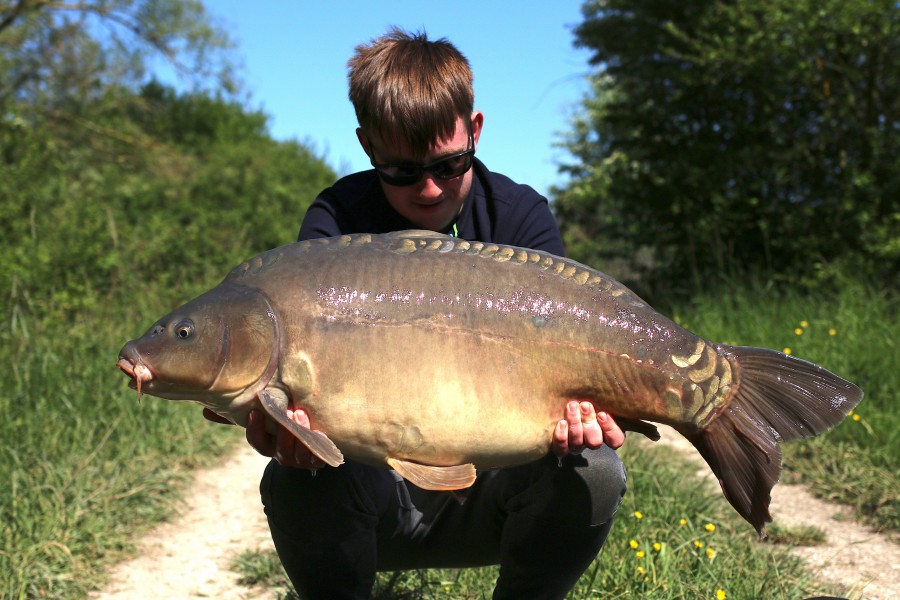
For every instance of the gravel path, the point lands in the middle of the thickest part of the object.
(188, 557)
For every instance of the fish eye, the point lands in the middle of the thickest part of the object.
(184, 330)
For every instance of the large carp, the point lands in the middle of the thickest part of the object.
(436, 357)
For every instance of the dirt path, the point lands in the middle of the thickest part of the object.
(188, 557)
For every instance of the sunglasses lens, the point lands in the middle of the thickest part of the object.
(400, 176)
(452, 166)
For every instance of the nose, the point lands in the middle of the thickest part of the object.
(430, 188)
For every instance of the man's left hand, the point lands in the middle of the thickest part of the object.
(583, 428)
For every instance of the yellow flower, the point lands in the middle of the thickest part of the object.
(682, 522)
(832, 331)
(804, 324)
(710, 527)
(698, 543)
(641, 570)
(657, 546)
(640, 554)
(633, 543)
(798, 331)
(710, 553)
(787, 350)
(721, 595)
(856, 417)
(638, 514)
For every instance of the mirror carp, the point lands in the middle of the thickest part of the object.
(436, 356)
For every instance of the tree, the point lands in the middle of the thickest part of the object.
(57, 55)
(737, 136)
(82, 227)
(110, 183)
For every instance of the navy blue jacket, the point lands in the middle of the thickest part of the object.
(497, 210)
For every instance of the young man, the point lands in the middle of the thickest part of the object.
(544, 522)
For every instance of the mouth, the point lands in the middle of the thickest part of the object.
(138, 373)
(429, 206)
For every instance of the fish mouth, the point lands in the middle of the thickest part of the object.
(138, 372)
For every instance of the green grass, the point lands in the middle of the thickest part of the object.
(84, 466)
(802, 535)
(850, 330)
(86, 469)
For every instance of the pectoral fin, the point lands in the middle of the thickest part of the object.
(429, 477)
(275, 403)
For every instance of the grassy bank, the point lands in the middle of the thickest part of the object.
(88, 468)
(849, 329)
(84, 465)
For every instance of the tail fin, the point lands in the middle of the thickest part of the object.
(778, 398)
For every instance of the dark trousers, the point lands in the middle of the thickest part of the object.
(543, 523)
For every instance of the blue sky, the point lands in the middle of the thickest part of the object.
(528, 75)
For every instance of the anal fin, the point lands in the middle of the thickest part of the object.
(275, 403)
(430, 477)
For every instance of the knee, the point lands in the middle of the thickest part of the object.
(606, 480)
(332, 500)
(581, 490)
(599, 477)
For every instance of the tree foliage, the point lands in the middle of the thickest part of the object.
(737, 136)
(204, 188)
(57, 55)
(116, 187)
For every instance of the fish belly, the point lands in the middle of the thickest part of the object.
(443, 395)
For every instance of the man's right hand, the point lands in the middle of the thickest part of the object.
(282, 446)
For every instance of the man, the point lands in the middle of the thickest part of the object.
(543, 523)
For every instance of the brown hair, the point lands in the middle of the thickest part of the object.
(407, 88)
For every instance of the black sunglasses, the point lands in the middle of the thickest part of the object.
(448, 167)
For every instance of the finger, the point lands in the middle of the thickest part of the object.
(302, 455)
(286, 451)
(613, 435)
(592, 432)
(299, 416)
(257, 436)
(560, 445)
(292, 453)
(215, 417)
(576, 429)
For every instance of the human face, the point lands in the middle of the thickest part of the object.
(431, 203)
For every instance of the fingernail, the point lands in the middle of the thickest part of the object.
(602, 416)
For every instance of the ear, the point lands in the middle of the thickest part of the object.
(363, 141)
(477, 124)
